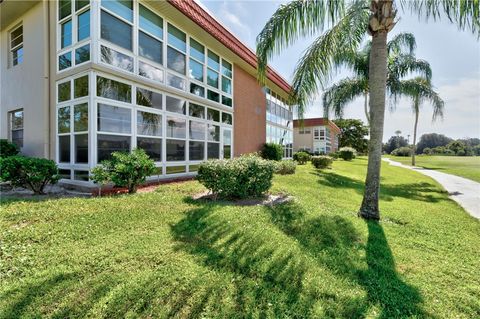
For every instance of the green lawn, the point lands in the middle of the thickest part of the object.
(465, 166)
(162, 254)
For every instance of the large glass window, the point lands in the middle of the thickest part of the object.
(176, 105)
(16, 45)
(176, 127)
(116, 31)
(149, 48)
(151, 146)
(123, 8)
(149, 99)
(114, 119)
(114, 90)
(149, 124)
(83, 30)
(107, 144)
(150, 22)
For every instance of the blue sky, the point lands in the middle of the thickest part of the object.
(453, 55)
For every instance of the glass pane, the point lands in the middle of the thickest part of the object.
(226, 69)
(116, 31)
(150, 72)
(149, 124)
(82, 54)
(226, 101)
(123, 8)
(64, 120)
(214, 96)
(81, 3)
(17, 120)
(81, 175)
(227, 137)
(227, 151)
(66, 37)
(150, 22)
(196, 70)
(64, 91)
(175, 150)
(197, 89)
(81, 148)
(176, 105)
(197, 50)
(114, 119)
(80, 117)
(212, 78)
(197, 151)
(152, 146)
(177, 38)
(17, 137)
(149, 99)
(213, 115)
(17, 56)
(106, 144)
(16, 37)
(64, 173)
(83, 25)
(193, 168)
(149, 47)
(197, 111)
(213, 61)
(213, 150)
(176, 81)
(114, 90)
(176, 60)
(64, 149)
(197, 130)
(80, 86)
(176, 127)
(226, 85)
(64, 8)
(176, 169)
(65, 61)
(213, 133)
(226, 118)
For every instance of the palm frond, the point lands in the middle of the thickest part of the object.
(402, 41)
(315, 67)
(293, 20)
(336, 97)
(464, 13)
(404, 64)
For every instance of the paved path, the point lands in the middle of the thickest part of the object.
(464, 191)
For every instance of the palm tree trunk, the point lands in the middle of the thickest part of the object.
(414, 148)
(377, 84)
(366, 107)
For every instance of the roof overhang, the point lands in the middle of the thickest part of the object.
(10, 10)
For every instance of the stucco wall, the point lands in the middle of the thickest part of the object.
(250, 113)
(26, 85)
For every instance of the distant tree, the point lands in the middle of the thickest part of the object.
(398, 133)
(394, 142)
(353, 134)
(476, 149)
(432, 140)
(458, 147)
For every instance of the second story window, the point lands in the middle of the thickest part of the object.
(16, 45)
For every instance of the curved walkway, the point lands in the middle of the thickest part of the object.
(464, 191)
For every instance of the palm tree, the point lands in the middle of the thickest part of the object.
(348, 26)
(401, 61)
(420, 90)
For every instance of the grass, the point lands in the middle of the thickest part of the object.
(163, 254)
(464, 166)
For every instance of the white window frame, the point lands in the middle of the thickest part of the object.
(16, 47)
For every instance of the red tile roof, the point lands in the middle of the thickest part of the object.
(317, 122)
(197, 14)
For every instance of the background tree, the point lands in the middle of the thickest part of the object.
(348, 26)
(432, 140)
(420, 90)
(394, 142)
(353, 133)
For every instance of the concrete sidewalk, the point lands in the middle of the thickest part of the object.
(464, 191)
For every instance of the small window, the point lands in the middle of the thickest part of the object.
(176, 105)
(16, 127)
(113, 119)
(114, 90)
(116, 58)
(116, 31)
(80, 86)
(16, 45)
(150, 22)
(149, 124)
(148, 98)
(149, 47)
(123, 8)
(176, 127)
(197, 50)
(83, 30)
(151, 146)
(82, 54)
(196, 111)
(150, 72)
(177, 38)
(213, 115)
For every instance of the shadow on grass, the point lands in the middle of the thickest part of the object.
(422, 191)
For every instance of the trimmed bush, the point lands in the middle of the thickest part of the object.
(334, 155)
(28, 172)
(402, 151)
(347, 153)
(272, 151)
(240, 177)
(7, 148)
(285, 167)
(125, 170)
(427, 151)
(322, 161)
(302, 157)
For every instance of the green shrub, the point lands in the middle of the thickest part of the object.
(322, 161)
(125, 170)
(272, 151)
(28, 172)
(302, 157)
(334, 155)
(476, 150)
(240, 177)
(285, 167)
(347, 153)
(461, 153)
(402, 151)
(7, 148)
(427, 151)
